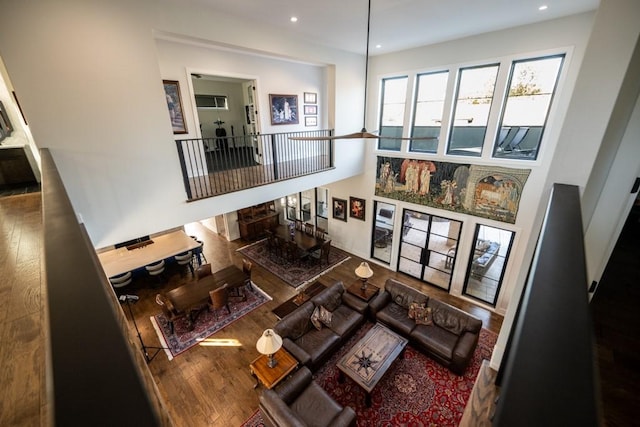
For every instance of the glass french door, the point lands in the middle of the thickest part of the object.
(428, 247)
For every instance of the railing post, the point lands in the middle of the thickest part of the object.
(274, 158)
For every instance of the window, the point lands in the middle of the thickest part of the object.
(532, 83)
(487, 264)
(322, 208)
(383, 231)
(292, 207)
(305, 205)
(429, 106)
(473, 104)
(394, 97)
(212, 102)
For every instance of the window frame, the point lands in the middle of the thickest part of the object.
(382, 104)
(414, 109)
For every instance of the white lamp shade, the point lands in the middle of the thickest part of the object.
(364, 271)
(269, 342)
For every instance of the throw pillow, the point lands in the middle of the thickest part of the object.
(423, 316)
(315, 318)
(325, 316)
(413, 308)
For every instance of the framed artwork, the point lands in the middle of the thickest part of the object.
(357, 208)
(310, 98)
(284, 109)
(311, 110)
(174, 103)
(340, 209)
(311, 121)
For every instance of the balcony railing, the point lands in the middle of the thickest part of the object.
(214, 166)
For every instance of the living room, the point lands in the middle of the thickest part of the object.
(93, 185)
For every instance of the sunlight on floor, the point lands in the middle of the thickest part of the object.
(223, 342)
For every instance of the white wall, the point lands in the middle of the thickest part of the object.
(88, 78)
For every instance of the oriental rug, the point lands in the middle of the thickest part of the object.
(294, 274)
(415, 391)
(206, 323)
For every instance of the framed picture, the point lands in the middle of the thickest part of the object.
(311, 121)
(340, 209)
(311, 110)
(284, 109)
(357, 208)
(310, 98)
(174, 103)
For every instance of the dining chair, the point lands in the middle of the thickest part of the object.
(323, 255)
(299, 225)
(184, 260)
(198, 254)
(121, 280)
(309, 228)
(156, 269)
(203, 271)
(219, 298)
(292, 252)
(320, 233)
(168, 311)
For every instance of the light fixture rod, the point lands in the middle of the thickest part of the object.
(366, 70)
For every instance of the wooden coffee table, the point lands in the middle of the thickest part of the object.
(270, 377)
(370, 358)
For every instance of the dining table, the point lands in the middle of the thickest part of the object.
(306, 242)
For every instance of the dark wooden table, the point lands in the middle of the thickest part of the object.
(292, 303)
(305, 241)
(193, 295)
(364, 294)
(270, 377)
(370, 358)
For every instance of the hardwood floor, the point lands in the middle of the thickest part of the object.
(22, 313)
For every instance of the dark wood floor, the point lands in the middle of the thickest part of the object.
(211, 385)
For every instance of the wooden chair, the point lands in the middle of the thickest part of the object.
(198, 254)
(309, 228)
(184, 260)
(236, 290)
(168, 310)
(292, 252)
(219, 298)
(121, 281)
(323, 255)
(203, 271)
(299, 225)
(320, 233)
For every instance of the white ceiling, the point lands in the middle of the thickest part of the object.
(395, 24)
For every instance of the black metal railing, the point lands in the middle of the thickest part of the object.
(214, 166)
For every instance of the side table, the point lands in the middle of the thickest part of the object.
(364, 294)
(269, 377)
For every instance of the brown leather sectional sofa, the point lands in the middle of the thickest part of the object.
(310, 346)
(451, 338)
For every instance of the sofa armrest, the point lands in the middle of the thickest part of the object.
(463, 352)
(291, 388)
(346, 417)
(277, 410)
(301, 355)
(354, 303)
(379, 302)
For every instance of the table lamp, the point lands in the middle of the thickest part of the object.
(268, 344)
(364, 272)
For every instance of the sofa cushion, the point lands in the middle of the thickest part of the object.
(330, 298)
(453, 319)
(396, 317)
(315, 407)
(344, 321)
(317, 343)
(297, 323)
(404, 295)
(435, 339)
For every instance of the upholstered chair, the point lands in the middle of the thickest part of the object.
(219, 298)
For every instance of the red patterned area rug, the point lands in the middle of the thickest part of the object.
(295, 275)
(206, 323)
(415, 391)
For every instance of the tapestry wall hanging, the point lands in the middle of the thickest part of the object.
(486, 191)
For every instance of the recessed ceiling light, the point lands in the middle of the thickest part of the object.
(543, 7)
(378, 46)
(294, 19)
